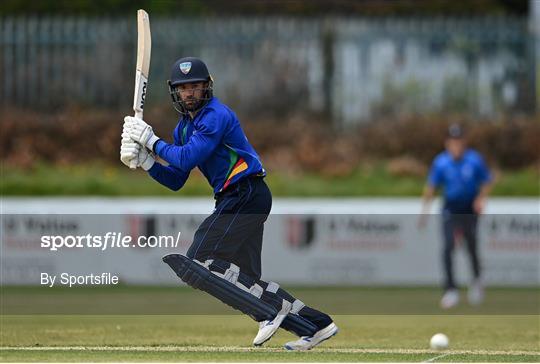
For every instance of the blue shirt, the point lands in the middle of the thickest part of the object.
(213, 141)
(461, 179)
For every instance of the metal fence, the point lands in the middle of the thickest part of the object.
(352, 69)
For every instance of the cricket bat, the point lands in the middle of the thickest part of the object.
(144, 47)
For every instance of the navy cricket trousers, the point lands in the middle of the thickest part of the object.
(234, 231)
(466, 224)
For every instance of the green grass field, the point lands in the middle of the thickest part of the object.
(499, 331)
(96, 179)
(227, 338)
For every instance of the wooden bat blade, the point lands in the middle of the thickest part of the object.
(144, 49)
(144, 42)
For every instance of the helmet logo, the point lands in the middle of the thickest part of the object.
(185, 67)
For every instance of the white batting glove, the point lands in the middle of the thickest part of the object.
(140, 131)
(129, 150)
(145, 159)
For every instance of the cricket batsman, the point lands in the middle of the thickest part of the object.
(224, 259)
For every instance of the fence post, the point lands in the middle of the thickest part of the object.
(8, 70)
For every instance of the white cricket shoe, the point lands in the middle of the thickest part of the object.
(450, 299)
(309, 342)
(475, 295)
(268, 328)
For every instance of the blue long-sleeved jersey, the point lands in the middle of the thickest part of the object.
(461, 179)
(213, 141)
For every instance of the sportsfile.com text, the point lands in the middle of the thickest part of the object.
(109, 240)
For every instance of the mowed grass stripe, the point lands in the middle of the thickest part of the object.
(269, 349)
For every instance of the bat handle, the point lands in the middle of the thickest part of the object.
(133, 162)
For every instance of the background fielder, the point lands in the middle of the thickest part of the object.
(466, 180)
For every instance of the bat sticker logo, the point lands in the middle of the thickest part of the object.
(143, 95)
(185, 67)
